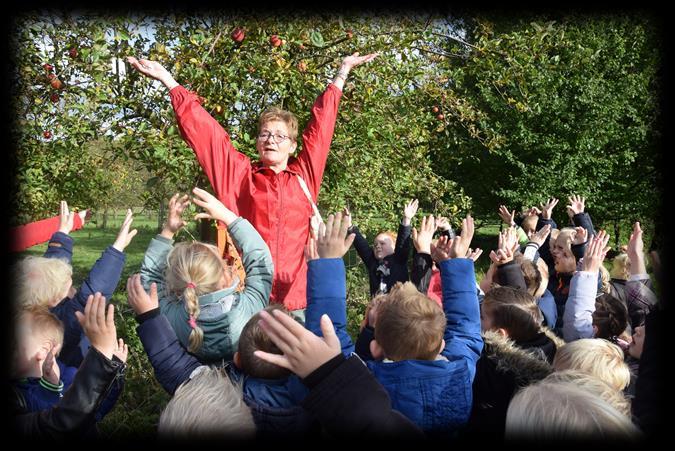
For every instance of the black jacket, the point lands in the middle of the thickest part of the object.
(75, 413)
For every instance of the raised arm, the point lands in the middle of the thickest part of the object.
(318, 133)
(222, 164)
(361, 244)
(402, 249)
(422, 262)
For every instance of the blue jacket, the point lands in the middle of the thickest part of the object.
(436, 394)
(103, 277)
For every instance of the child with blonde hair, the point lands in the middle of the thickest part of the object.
(47, 281)
(198, 293)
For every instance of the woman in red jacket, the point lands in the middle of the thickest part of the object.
(268, 193)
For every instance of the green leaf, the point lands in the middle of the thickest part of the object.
(152, 181)
(316, 38)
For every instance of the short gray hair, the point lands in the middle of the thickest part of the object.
(208, 404)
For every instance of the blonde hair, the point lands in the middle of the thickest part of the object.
(391, 234)
(529, 223)
(34, 325)
(409, 324)
(591, 383)
(555, 409)
(208, 404)
(514, 310)
(597, 357)
(621, 267)
(605, 278)
(252, 339)
(197, 264)
(277, 114)
(41, 281)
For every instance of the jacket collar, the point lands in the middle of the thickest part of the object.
(290, 167)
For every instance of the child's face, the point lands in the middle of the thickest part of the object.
(635, 348)
(562, 255)
(383, 246)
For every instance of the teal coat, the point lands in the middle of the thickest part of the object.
(223, 313)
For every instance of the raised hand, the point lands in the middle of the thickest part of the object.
(98, 326)
(303, 352)
(174, 222)
(533, 211)
(354, 60)
(125, 236)
(154, 70)
(576, 205)
(138, 299)
(540, 235)
(580, 236)
(66, 218)
(409, 211)
(214, 208)
(547, 208)
(50, 369)
(474, 254)
(311, 251)
(461, 243)
(122, 351)
(506, 215)
(595, 252)
(422, 239)
(635, 251)
(440, 250)
(333, 241)
(506, 247)
(442, 223)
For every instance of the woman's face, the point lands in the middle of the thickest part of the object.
(383, 246)
(275, 151)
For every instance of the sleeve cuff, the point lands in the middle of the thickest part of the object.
(51, 387)
(140, 319)
(319, 374)
(642, 276)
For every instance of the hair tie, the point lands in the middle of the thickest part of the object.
(191, 285)
(192, 322)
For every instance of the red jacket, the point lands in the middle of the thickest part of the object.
(38, 232)
(274, 203)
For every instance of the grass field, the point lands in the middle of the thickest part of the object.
(137, 412)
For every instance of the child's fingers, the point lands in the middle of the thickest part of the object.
(275, 359)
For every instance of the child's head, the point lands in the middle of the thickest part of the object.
(252, 339)
(620, 267)
(561, 249)
(194, 269)
(610, 317)
(41, 281)
(384, 244)
(207, 405)
(529, 224)
(531, 273)
(372, 310)
(409, 326)
(512, 312)
(558, 409)
(596, 357)
(608, 393)
(37, 332)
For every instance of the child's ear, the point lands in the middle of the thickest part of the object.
(236, 359)
(503, 332)
(442, 346)
(376, 350)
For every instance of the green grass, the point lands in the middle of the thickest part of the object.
(136, 413)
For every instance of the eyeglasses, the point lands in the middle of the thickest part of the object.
(264, 136)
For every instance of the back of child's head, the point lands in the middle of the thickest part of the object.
(36, 328)
(597, 357)
(610, 317)
(41, 281)
(194, 269)
(530, 272)
(615, 397)
(560, 409)
(410, 326)
(252, 339)
(620, 267)
(514, 310)
(209, 404)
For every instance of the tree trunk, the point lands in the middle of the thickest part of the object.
(160, 216)
(104, 221)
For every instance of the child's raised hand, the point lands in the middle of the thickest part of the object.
(177, 205)
(303, 352)
(580, 236)
(440, 251)
(409, 211)
(442, 223)
(474, 254)
(50, 369)
(125, 236)
(506, 215)
(540, 235)
(635, 248)
(121, 351)
(214, 208)
(98, 325)
(547, 208)
(576, 206)
(138, 299)
(595, 252)
(333, 241)
(66, 218)
(462, 242)
(422, 239)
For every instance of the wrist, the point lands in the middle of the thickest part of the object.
(167, 233)
(169, 82)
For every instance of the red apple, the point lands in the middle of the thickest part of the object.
(275, 41)
(435, 109)
(238, 35)
(302, 66)
(56, 83)
(350, 34)
(72, 52)
(47, 134)
(51, 76)
(440, 117)
(48, 67)
(54, 98)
